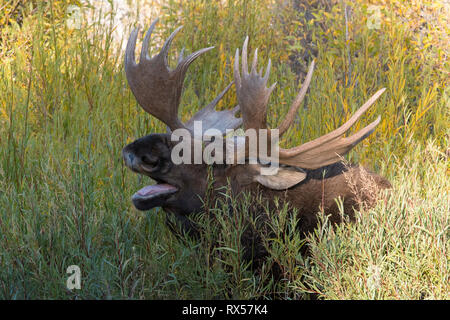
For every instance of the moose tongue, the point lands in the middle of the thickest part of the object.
(157, 188)
(153, 196)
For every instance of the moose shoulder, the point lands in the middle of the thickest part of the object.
(309, 176)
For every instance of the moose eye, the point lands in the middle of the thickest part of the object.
(149, 163)
(150, 160)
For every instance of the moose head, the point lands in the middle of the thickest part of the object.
(180, 187)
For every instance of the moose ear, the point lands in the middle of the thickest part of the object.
(283, 179)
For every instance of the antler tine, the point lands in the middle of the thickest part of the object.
(184, 64)
(145, 43)
(289, 118)
(165, 49)
(244, 58)
(347, 125)
(237, 75)
(251, 90)
(130, 59)
(329, 148)
(255, 61)
(327, 153)
(266, 76)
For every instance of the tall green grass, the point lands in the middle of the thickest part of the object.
(398, 249)
(66, 112)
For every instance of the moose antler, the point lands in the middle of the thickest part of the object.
(253, 96)
(158, 89)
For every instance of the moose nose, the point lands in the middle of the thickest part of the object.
(128, 157)
(131, 157)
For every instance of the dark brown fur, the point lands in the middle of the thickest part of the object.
(318, 191)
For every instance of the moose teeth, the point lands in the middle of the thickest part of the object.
(157, 188)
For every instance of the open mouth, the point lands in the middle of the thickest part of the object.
(153, 196)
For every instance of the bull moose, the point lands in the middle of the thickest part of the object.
(309, 176)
